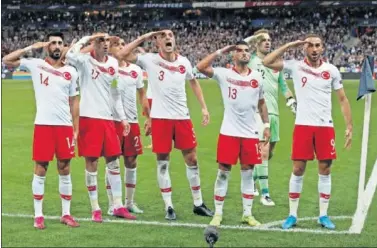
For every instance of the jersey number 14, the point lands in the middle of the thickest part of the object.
(44, 81)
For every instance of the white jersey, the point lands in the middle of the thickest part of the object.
(241, 95)
(313, 87)
(130, 79)
(52, 89)
(167, 81)
(96, 79)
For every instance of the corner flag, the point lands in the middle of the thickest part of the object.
(366, 79)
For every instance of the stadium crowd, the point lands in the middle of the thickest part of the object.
(201, 31)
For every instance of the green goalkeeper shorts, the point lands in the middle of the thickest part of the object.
(274, 128)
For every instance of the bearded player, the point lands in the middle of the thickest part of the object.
(56, 121)
(314, 80)
(242, 93)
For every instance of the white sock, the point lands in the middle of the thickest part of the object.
(221, 187)
(130, 183)
(192, 173)
(115, 180)
(247, 189)
(164, 182)
(324, 189)
(108, 190)
(295, 188)
(38, 188)
(91, 184)
(65, 190)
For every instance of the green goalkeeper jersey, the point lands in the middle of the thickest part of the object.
(272, 80)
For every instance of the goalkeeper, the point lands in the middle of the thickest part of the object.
(272, 80)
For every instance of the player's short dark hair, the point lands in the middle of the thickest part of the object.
(55, 34)
(241, 42)
(313, 35)
(261, 31)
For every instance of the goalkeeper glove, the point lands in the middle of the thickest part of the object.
(292, 104)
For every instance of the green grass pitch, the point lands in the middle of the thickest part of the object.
(18, 109)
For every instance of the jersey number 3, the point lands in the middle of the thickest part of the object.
(232, 93)
(161, 76)
(44, 81)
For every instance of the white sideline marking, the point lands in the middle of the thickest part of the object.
(264, 227)
(362, 208)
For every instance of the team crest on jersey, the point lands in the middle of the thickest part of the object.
(133, 74)
(182, 69)
(254, 83)
(67, 75)
(111, 71)
(325, 75)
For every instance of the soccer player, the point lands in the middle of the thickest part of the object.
(56, 121)
(314, 81)
(167, 75)
(97, 133)
(130, 80)
(242, 93)
(272, 80)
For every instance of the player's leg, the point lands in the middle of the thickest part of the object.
(65, 151)
(162, 144)
(228, 150)
(193, 176)
(185, 140)
(247, 190)
(267, 155)
(250, 155)
(91, 164)
(261, 139)
(90, 141)
(221, 188)
(132, 147)
(130, 177)
(324, 190)
(65, 190)
(111, 151)
(325, 151)
(43, 152)
(302, 151)
(38, 188)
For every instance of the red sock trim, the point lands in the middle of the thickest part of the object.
(38, 197)
(166, 190)
(92, 188)
(219, 198)
(248, 196)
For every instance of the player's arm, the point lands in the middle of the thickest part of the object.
(291, 102)
(274, 59)
(116, 93)
(14, 58)
(346, 110)
(74, 53)
(194, 83)
(205, 65)
(127, 52)
(253, 39)
(262, 107)
(144, 101)
(74, 104)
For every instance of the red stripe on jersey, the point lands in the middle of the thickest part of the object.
(246, 196)
(38, 197)
(114, 172)
(195, 187)
(219, 198)
(294, 195)
(130, 185)
(66, 197)
(92, 188)
(166, 190)
(325, 196)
